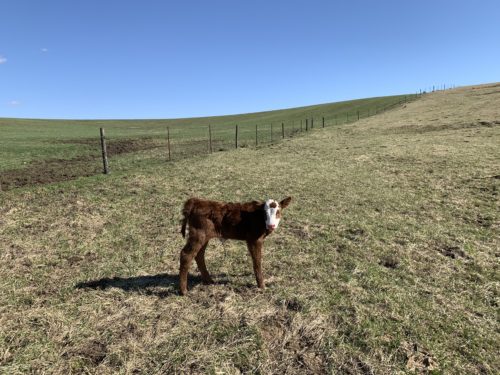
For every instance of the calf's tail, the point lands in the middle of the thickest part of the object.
(184, 224)
(186, 211)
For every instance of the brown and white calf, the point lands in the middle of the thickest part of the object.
(251, 222)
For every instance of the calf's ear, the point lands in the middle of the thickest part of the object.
(285, 202)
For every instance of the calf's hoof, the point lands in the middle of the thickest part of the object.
(208, 281)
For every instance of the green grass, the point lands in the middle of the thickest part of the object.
(385, 262)
(24, 141)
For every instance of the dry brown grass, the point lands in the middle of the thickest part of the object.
(394, 233)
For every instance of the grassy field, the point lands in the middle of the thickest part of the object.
(41, 151)
(386, 262)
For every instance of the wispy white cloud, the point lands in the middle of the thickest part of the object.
(2, 59)
(14, 103)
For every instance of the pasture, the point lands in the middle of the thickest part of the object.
(386, 261)
(44, 151)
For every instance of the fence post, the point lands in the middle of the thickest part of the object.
(104, 152)
(323, 119)
(358, 115)
(307, 126)
(236, 138)
(210, 138)
(256, 136)
(282, 131)
(168, 143)
(312, 122)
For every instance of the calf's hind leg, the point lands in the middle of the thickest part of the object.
(200, 261)
(188, 252)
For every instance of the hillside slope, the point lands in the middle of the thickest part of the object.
(385, 262)
(32, 143)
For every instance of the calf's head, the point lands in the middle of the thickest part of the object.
(274, 213)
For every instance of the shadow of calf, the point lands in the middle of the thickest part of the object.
(143, 284)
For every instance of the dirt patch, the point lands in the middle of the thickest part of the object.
(421, 129)
(93, 351)
(294, 342)
(292, 304)
(118, 146)
(49, 171)
(452, 252)
(490, 93)
(353, 234)
(389, 261)
(356, 366)
(418, 360)
(57, 170)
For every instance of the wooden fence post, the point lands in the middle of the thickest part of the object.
(256, 135)
(323, 119)
(307, 125)
(210, 138)
(282, 131)
(236, 138)
(168, 143)
(104, 152)
(312, 122)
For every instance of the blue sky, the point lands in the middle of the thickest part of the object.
(166, 59)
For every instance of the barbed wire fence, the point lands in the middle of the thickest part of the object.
(181, 142)
(124, 147)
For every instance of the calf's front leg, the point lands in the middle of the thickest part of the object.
(255, 249)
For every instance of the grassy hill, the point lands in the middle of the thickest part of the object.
(25, 141)
(385, 262)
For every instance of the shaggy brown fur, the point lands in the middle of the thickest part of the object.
(209, 219)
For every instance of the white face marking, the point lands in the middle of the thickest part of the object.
(272, 207)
